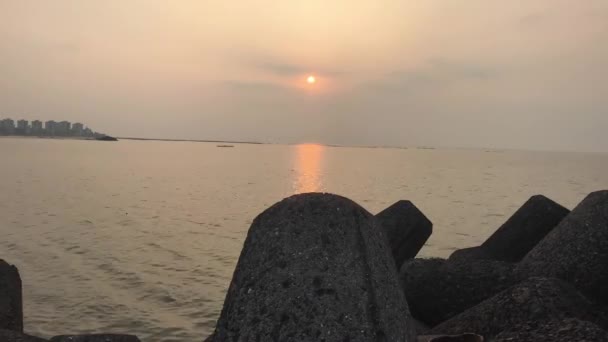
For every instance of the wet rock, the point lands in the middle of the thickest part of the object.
(536, 299)
(437, 290)
(11, 307)
(577, 249)
(96, 338)
(520, 233)
(315, 267)
(14, 336)
(406, 228)
(566, 330)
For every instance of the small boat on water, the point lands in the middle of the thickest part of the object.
(225, 145)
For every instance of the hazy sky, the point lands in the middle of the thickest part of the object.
(471, 73)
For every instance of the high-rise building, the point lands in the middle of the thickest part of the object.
(7, 126)
(50, 127)
(22, 127)
(77, 129)
(36, 127)
(63, 128)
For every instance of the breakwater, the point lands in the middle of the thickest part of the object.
(320, 267)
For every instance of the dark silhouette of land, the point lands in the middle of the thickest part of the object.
(194, 140)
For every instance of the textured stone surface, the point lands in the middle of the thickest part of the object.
(536, 299)
(566, 330)
(451, 338)
(96, 338)
(315, 267)
(437, 289)
(520, 233)
(406, 228)
(577, 249)
(11, 307)
(14, 336)
(420, 327)
(470, 253)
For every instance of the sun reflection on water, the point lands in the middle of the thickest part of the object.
(308, 163)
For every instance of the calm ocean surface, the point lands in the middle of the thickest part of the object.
(142, 237)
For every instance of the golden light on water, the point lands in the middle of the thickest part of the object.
(307, 166)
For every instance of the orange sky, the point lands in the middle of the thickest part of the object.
(436, 72)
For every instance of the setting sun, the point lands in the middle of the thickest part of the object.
(311, 79)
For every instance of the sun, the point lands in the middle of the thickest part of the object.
(311, 79)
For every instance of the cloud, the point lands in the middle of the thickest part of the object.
(279, 66)
(287, 69)
(252, 86)
(282, 69)
(436, 73)
(462, 70)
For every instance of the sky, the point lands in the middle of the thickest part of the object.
(521, 74)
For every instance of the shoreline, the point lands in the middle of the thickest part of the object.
(46, 137)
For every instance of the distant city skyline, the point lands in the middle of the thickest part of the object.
(472, 74)
(51, 128)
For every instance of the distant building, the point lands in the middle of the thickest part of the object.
(77, 129)
(7, 126)
(50, 127)
(22, 127)
(36, 127)
(63, 128)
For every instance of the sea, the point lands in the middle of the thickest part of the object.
(142, 237)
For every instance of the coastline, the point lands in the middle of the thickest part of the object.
(45, 137)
